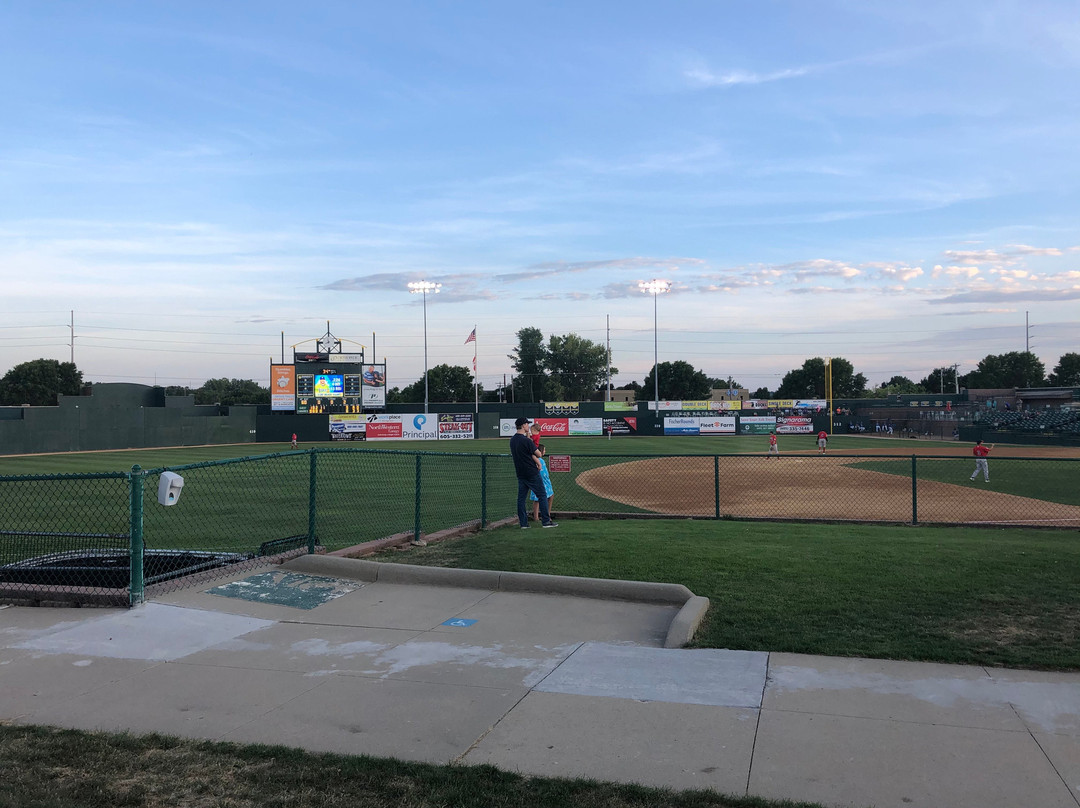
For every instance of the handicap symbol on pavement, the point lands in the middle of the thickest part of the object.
(459, 622)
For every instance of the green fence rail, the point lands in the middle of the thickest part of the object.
(105, 537)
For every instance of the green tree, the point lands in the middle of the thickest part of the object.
(1067, 371)
(447, 383)
(678, 380)
(809, 380)
(724, 384)
(228, 392)
(528, 360)
(940, 380)
(1013, 369)
(39, 382)
(899, 386)
(576, 367)
(178, 390)
(762, 392)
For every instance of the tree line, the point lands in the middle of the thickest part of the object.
(571, 368)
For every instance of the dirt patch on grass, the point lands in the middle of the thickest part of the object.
(814, 487)
(1008, 630)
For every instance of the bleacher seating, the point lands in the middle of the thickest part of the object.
(1064, 421)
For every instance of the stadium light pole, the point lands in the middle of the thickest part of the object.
(655, 288)
(422, 288)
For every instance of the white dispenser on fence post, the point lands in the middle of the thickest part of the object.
(169, 487)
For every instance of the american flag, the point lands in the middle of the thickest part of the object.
(472, 337)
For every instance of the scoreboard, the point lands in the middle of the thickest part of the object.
(328, 382)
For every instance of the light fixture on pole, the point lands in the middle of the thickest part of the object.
(655, 288)
(422, 288)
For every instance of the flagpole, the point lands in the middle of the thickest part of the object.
(476, 384)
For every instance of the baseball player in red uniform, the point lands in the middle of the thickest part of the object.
(980, 453)
(822, 440)
(773, 448)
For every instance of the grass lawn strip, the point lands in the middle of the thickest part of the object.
(54, 768)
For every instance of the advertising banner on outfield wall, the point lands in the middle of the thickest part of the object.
(562, 407)
(559, 427)
(455, 426)
(383, 427)
(755, 404)
(585, 426)
(794, 425)
(627, 425)
(347, 426)
(680, 425)
(817, 404)
(726, 406)
(716, 426)
(667, 405)
(757, 424)
(620, 406)
(282, 388)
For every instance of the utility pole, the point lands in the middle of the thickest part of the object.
(607, 387)
(73, 336)
(1027, 334)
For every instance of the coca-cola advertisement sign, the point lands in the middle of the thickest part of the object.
(553, 426)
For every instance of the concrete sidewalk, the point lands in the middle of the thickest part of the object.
(331, 655)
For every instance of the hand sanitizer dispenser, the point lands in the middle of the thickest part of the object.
(169, 487)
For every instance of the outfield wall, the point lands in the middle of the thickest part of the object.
(122, 416)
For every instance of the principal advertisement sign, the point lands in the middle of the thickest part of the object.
(373, 386)
(794, 425)
(626, 425)
(345, 426)
(282, 388)
(716, 426)
(757, 424)
(455, 426)
(680, 425)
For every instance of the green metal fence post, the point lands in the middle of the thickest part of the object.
(416, 528)
(914, 493)
(136, 591)
(483, 491)
(311, 503)
(716, 482)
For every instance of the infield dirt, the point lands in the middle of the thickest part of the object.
(811, 486)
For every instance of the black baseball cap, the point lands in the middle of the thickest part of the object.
(520, 422)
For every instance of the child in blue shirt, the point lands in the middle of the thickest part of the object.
(547, 484)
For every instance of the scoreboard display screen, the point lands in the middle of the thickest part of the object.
(329, 386)
(328, 383)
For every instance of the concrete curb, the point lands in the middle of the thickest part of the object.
(686, 622)
(679, 634)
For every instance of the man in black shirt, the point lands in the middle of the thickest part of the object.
(525, 454)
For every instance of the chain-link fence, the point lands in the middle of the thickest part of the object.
(882, 488)
(73, 536)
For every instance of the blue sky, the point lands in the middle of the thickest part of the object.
(894, 183)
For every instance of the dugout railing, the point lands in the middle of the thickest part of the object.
(104, 538)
